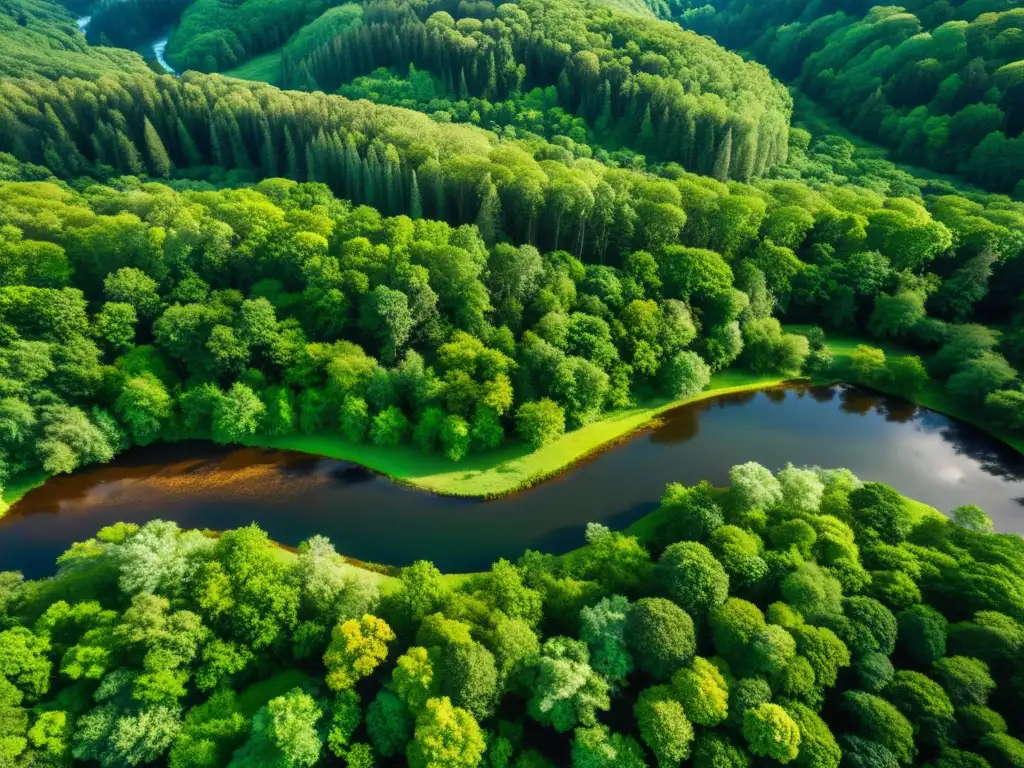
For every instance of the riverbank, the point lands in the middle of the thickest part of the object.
(932, 395)
(513, 467)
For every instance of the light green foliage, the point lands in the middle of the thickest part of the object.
(284, 733)
(597, 747)
(566, 691)
(617, 560)
(771, 732)
(753, 487)
(826, 653)
(801, 489)
(686, 374)
(739, 552)
(514, 644)
(24, 662)
(972, 517)
(357, 648)
(445, 737)
(703, 692)
(663, 725)
(818, 747)
(389, 427)
(422, 590)
(540, 423)
(328, 587)
(772, 649)
(734, 624)
(413, 679)
(209, 733)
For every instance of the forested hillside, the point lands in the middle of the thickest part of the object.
(474, 224)
(571, 284)
(683, 97)
(941, 84)
(40, 38)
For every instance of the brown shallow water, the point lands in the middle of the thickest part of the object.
(292, 496)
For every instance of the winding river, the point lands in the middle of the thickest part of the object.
(154, 48)
(292, 496)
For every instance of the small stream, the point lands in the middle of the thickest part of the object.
(925, 455)
(154, 48)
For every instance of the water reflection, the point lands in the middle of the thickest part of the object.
(293, 496)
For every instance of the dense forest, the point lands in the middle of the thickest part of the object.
(940, 83)
(804, 618)
(474, 224)
(434, 282)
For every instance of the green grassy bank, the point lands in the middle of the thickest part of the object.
(265, 68)
(512, 467)
(495, 473)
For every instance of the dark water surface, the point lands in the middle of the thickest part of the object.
(293, 496)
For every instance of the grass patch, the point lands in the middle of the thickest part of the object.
(259, 693)
(18, 487)
(513, 467)
(265, 69)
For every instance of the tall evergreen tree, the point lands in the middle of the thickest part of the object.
(723, 159)
(488, 218)
(156, 154)
(415, 203)
(187, 146)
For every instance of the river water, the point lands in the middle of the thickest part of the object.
(293, 496)
(155, 47)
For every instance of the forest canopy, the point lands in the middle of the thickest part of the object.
(802, 618)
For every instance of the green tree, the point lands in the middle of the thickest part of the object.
(540, 422)
(702, 690)
(445, 737)
(566, 691)
(771, 732)
(597, 747)
(356, 649)
(686, 375)
(661, 636)
(237, 415)
(663, 725)
(603, 628)
(284, 733)
(389, 427)
(693, 578)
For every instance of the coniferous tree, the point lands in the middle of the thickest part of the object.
(188, 148)
(291, 155)
(415, 203)
(488, 219)
(723, 158)
(156, 154)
